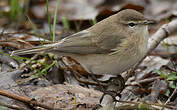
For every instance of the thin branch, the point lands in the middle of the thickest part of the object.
(25, 100)
(171, 96)
(134, 83)
(155, 104)
(162, 33)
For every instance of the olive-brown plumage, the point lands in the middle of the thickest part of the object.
(111, 46)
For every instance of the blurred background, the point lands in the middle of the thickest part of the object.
(76, 15)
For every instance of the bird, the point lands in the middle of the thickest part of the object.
(109, 47)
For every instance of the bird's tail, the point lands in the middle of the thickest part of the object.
(33, 50)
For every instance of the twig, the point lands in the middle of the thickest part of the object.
(25, 100)
(134, 83)
(170, 97)
(169, 68)
(161, 34)
(155, 104)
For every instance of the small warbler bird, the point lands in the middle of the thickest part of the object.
(111, 46)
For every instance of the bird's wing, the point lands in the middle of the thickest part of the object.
(84, 43)
(80, 43)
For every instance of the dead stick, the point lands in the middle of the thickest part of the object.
(170, 97)
(25, 100)
(156, 104)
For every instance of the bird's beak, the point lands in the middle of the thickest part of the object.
(147, 22)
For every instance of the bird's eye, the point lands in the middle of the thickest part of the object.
(131, 24)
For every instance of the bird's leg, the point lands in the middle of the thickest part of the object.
(114, 88)
(130, 73)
